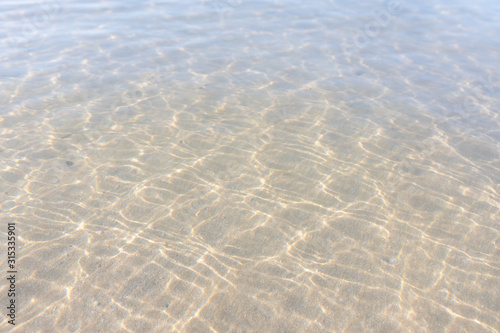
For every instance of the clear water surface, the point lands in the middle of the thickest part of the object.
(251, 166)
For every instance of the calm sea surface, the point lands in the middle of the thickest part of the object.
(250, 166)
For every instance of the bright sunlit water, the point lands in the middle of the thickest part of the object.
(251, 166)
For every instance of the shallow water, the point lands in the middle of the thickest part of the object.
(241, 166)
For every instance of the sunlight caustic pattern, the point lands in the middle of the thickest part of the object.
(200, 178)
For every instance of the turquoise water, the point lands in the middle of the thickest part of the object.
(251, 166)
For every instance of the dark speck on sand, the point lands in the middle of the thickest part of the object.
(391, 261)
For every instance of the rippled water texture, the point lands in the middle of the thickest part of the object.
(251, 166)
